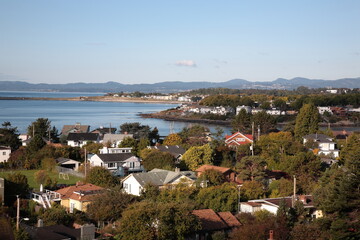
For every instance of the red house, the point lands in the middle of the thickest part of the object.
(238, 139)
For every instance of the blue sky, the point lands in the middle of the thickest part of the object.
(147, 41)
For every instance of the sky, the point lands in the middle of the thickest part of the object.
(144, 41)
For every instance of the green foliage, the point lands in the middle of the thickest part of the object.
(143, 143)
(101, 177)
(56, 215)
(180, 193)
(213, 177)
(242, 122)
(92, 147)
(252, 190)
(35, 144)
(281, 188)
(173, 139)
(42, 177)
(138, 130)
(48, 164)
(129, 142)
(307, 121)
(109, 205)
(9, 136)
(15, 184)
(148, 220)
(197, 156)
(251, 168)
(42, 127)
(153, 158)
(195, 135)
(265, 121)
(219, 198)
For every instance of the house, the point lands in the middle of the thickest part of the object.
(238, 139)
(68, 163)
(272, 205)
(77, 128)
(135, 182)
(324, 143)
(239, 108)
(59, 232)
(176, 150)
(113, 140)
(272, 175)
(78, 196)
(4, 154)
(213, 222)
(323, 110)
(103, 130)
(106, 150)
(229, 175)
(125, 161)
(81, 139)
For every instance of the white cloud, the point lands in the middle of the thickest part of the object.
(186, 63)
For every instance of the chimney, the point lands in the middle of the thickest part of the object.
(87, 231)
(40, 223)
(271, 235)
(177, 170)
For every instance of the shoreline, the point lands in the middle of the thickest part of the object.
(92, 99)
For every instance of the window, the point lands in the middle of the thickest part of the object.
(4, 153)
(111, 165)
(132, 165)
(240, 139)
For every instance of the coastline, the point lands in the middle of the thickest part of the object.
(93, 99)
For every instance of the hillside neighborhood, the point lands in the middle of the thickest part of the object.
(258, 182)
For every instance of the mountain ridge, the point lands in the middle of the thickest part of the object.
(178, 86)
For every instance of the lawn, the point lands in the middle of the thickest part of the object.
(31, 178)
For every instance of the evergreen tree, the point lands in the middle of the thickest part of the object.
(9, 136)
(307, 121)
(242, 122)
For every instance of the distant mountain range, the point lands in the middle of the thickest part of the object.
(168, 87)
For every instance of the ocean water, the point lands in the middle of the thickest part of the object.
(20, 113)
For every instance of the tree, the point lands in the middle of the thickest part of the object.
(101, 177)
(251, 168)
(281, 188)
(109, 205)
(197, 156)
(9, 136)
(219, 198)
(252, 190)
(153, 158)
(280, 104)
(265, 121)
(35, 144)
(172, 139)
(129, 142)
(15, 184)
(307, 121)
(242, 122)
(42, 127)
(149, 220)
(143, 143)
(213, 177)
(194, 135)
(138, 130)
(92, 147)
(56, 215)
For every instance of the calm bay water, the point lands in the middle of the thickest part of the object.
(22, 112)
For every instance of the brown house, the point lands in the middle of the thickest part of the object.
(229, 175)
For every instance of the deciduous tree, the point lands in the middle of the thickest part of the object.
(101, 177)
(197, 156)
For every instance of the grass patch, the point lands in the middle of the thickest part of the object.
(30, 174)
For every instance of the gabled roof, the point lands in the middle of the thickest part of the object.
(115, 137)
(175, 150)
(115, 157)
(75, 128)
(5, 148)
(62, 160)
(322, 138)
(212, 221)
(80, 192)
(232, 138)
(83, 137)
(160, 177)
(307, 200)
(54, 232)
(104, 130)
(205, 167)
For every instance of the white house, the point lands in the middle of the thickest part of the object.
(81, 139)
(239, 108)
(322, 110)
(115, 161)
(134, 183)
(106, 150)
(4, 153)
(115, 139)
(272, 205)
(326, 145)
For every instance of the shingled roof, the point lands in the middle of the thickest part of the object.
(83, 137)
(212, 221)
(115, 157)
(175, 150)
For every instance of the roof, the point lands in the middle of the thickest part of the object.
(104, 130)
(115, 137)
(160, 177)
(83, 137)
(232, 139)
(319, 138)
(75, 128)
(205, 167)
(80, 192)
(277, 174)
(307, 200)
(62, 160)
(115, 157)
(54, 232)
(175, 150)
(4, 148)
(212, 221)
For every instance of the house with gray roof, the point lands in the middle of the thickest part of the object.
(176, 150)
(81, 139)
(135, 183)
(123, 163)
(324, 143)
(68, 163)
(113, 140)
(76, 128)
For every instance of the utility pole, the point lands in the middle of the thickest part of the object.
(258, 132)
(17, 213)
(85, 161)
(294, 195)
(33, 128)
(239, 206)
